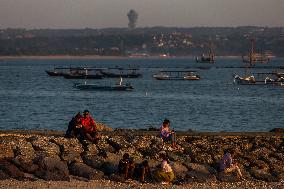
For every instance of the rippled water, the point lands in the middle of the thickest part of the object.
(30, 99)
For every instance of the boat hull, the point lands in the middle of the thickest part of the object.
(54, 73)
(70, 76)
(104, 88)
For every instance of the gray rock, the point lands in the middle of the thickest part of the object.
(53, 169)
(93, 161)
(83, 170)
(108, 168)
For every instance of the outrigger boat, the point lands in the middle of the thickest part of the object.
(83, 73)
(57, 71)
(118, 87)
(271, 78)
(121, 72)
(176, 75)
(255, 58)
(210, 58)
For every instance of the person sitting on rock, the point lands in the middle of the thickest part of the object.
(74, 126)
(165, 173)
(89, 128)
(126, 166)
(142, 170)
(227, 165)
(167, 134)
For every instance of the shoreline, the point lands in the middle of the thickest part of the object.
(45, 159)
(96, 57)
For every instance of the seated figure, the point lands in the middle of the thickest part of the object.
(126, 166)
(74, 126)
(227, 165)
(167, 134)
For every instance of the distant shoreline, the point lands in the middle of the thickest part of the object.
(95, 57)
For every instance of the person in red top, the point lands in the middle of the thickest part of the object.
(89, 127)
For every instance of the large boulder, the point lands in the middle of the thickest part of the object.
(93, 160)
(53, 169)
(83, 170)
(200, 172)
(262, 174)
(44, 146)
(25, 164)
(11, 170)
(227, 177)
(70, 148)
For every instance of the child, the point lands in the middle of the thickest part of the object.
(167, 134)
(142, 170)
(165, 174)
(126, 166)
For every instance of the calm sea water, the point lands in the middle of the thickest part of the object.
(30, 99)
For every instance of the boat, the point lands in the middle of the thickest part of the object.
(121, 72)
(83, 73)
(262, 78)
(57, 71)
(255, 58)
(117, 87)
(247, 80)
(210, 58)
(176, 75)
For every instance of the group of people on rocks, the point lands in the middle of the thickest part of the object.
(84, 127)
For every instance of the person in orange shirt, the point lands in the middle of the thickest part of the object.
(89, 127)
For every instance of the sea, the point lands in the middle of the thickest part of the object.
(32, 100)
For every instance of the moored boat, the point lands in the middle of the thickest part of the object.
(117, 87)
(176, 75)
(121, 72)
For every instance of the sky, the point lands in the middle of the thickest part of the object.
(34, 14)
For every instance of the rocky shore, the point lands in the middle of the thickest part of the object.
(46, 158)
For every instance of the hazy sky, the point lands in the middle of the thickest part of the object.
(112, 13)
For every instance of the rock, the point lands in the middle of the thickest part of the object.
(71, 156)
(200, 173)
(203, 168)
(11, 170)
(262, 174)
(92, 149)
(93, 161)
(43, 144)
(68, 144)
(108, 168)
(25, 164)
(277, 130)
(117, 177)
(53, 169)
(3, 175)
(179, 170)
(227, 177)
(82, 170)
(116, 146)
(24, 148)
(103, 127)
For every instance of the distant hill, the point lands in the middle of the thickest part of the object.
(152, 41)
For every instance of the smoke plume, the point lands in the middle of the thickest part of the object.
(132, 18)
